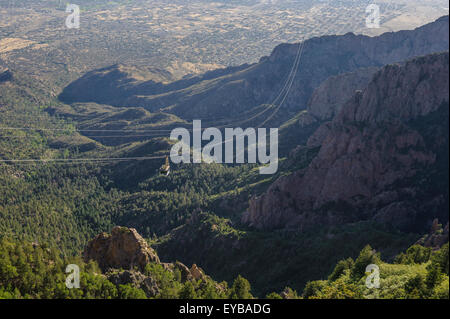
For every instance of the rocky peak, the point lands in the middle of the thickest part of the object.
(123, 248)
(402, 92)
(123, 256)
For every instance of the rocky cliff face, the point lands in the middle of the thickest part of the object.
(328, 99)
(325, 102)
(376, 159)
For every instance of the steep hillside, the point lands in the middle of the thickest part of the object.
(419, 273)
(111, 84)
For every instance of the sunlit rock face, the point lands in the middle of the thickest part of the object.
(123, 248)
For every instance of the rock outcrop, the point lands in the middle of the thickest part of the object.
(123, 256)
(136, 279)
(383, 144)
(437, 236)
(187, 274)
(123, 248)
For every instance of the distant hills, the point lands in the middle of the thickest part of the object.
(229, 92)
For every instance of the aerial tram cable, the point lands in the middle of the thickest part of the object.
(301, 46)
(287, 83)
(165, 169)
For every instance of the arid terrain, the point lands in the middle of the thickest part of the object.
(182, 37)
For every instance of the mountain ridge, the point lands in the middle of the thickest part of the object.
(368, 147)
(251, 86)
